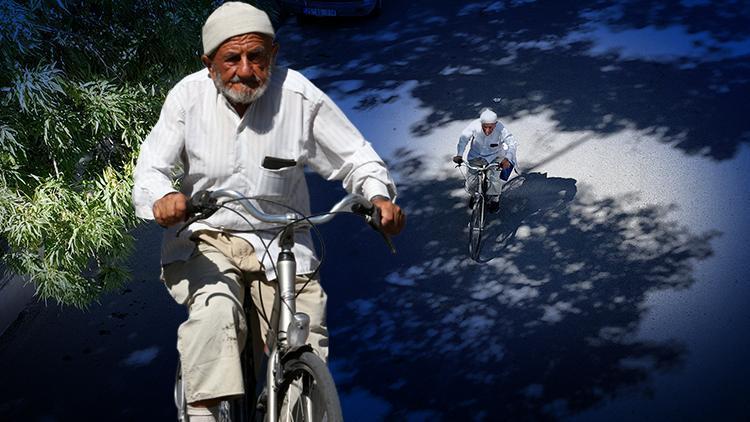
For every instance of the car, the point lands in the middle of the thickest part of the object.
(332, 8)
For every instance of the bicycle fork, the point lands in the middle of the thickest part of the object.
(293, 327)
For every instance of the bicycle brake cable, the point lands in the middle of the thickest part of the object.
(309, 276)
(273, 239)
(264, 315)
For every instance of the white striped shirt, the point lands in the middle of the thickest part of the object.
(217, 149)
(498, 145)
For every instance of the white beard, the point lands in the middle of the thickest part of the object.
(245, 97)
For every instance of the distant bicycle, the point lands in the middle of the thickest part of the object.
(478, 207)
(298, 384)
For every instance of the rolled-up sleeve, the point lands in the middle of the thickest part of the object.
(464, 139)
(338, 151)
(512, 144)
(159, 154)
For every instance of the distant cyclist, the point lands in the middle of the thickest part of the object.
(490, 141)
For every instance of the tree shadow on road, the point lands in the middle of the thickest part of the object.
(521, 197)
(526, 58)
(545, 329)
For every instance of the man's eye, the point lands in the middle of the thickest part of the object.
(255, 58)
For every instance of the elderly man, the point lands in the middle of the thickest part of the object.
(490, 142)
(243, 124)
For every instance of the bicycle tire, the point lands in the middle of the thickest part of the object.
(308, 376)
(476, 227)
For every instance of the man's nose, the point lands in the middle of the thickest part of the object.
(245, 69)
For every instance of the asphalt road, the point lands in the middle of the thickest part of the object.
(615, 282)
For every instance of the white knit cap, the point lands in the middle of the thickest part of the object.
(231, 19)
(488, 116)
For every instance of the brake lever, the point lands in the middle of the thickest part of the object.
(199, 207)
(375, 222)
(188, 222)
(372, 218)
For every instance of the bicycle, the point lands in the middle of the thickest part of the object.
(291, 365)
(478, 205)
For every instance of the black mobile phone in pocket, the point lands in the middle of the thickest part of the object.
(275, 163)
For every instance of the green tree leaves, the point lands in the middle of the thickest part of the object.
(81, 86)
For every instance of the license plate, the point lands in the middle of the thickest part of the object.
(319, 12)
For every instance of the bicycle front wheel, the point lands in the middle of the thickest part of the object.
(308, 392)
(476, 226)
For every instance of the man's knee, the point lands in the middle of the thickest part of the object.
(217, 312)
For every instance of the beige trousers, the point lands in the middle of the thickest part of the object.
(212, 284)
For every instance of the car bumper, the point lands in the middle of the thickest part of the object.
(330, 9)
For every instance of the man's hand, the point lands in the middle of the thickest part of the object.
(505, 164)
(170, 209)
(458, 159)
(392, 219)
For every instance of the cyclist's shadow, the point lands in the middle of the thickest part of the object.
(522, 197)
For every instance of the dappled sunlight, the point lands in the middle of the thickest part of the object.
(611, 279)
(566, 281)
(141, 357)
(677, 70)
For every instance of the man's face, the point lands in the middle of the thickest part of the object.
(241, 67)
(487, 128)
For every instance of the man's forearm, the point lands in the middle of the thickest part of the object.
(462, 141)
(369, 180)
(150, 185)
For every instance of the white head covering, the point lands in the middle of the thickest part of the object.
(488, 116)
(230, 19)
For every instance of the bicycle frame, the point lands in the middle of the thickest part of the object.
(292, 328)
(476, 221)
(290, 323)
(482, 172)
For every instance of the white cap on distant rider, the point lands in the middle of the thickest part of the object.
(488, 116)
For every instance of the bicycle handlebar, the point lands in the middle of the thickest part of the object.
(480, 168)
(291, 217)
(205, 203)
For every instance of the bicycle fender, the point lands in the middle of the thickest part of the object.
(295, 352)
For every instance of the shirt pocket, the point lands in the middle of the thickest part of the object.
(275, 184)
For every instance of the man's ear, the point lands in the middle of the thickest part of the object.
(209, 64)
(274, 50)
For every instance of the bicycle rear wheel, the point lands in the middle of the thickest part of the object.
(476, 226)
(308, 392)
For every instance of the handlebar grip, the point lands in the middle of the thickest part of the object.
(201, 205)
(200, 202)
(190, 209)
(374, 219)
